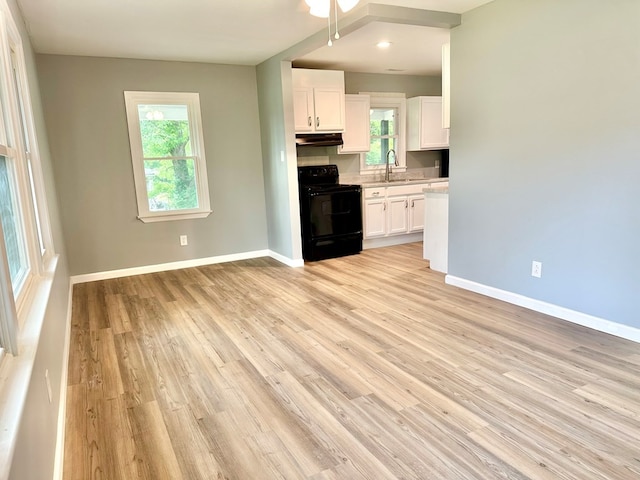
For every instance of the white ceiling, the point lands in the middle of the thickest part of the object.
(240, 32)
(414, 50)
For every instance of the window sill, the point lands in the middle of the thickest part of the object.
(15, 371)
(173, 216)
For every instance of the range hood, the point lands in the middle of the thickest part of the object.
(318, 139)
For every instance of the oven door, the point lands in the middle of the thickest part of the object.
(334, 212)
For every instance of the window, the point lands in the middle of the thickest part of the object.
(384, 135)
(25, 241)
(167, 151)
(386, 123)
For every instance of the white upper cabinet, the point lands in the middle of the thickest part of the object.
(303, 109)
(424, 124)
(318, 100)
(356, 130)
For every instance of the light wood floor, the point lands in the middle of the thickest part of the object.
(364, 367)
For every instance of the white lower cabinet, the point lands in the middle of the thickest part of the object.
(416, 213)
(375, 217)
(398, 214)
(395, 210)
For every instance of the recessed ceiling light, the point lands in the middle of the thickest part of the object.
(383, 44)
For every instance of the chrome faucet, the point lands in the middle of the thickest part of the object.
(387, 167)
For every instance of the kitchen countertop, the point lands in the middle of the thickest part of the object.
(407, 181)
(436, 190)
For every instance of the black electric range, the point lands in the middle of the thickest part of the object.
(330, 214)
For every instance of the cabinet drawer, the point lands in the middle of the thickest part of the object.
(414, 189)
(374, 192)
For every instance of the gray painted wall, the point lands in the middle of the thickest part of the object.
(411, 85)
(85, 117)
(544, 152)
(276, 122)
(34, 453)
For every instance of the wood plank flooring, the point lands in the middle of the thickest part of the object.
(362, 367)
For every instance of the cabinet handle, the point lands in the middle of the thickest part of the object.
(384, 206)
(406, 204)
(309, 120)
(317, 122)
(412, 203)
(375, 194)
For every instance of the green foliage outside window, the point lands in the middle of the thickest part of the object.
(10, 226)
(171, 183)
(383, 135)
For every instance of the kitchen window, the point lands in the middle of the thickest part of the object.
(167, 152)
(387, 130)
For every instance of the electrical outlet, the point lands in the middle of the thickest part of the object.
(536, 269)
(46, 379)
(183, 240)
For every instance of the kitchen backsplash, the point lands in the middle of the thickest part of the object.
(349, 166)
(410, 174)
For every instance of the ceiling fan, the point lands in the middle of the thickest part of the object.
(322, 9)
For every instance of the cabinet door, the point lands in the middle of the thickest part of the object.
(416, 213)
(398, 214)
(375, 210)
(329, 109)
(356, 126)
(432, 134)
(303, 109)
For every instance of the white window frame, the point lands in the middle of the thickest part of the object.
(21, 149)
(22, 309)
(192, 100)
(399, 102)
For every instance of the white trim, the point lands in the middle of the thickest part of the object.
(390, 100)
(166, 217)
(58, 466)
(600, 324)
(286, 260)
(163, 267)
(192, 101)
(197, 262)
(21, 151)
(16, 371)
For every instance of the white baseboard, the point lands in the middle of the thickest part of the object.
(600, 324)
(58, 467)
(286, 260)
(197, 262)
